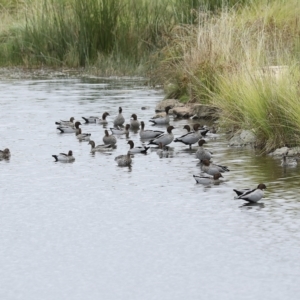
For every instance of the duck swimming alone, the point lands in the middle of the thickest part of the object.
(161, 120)
(134, 150)
(68, 129)
(165, 138)
(119, 131)
(251, 195)
(83, 136)
(134, 123)
(212, 169)
(109, 139)
(202, 153)
(208, 179)
(149, 134)
(66, 123)
(64, 157)
(191, 137)
(99, 148)
(119, 120)
(124, 160)
(103, 119)
(5, 153)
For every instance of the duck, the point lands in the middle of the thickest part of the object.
(164, 138)
(208, 179)
(90, 119)
(212, 169)
(83, 136)
(66, 123)
(149, 134)
(99, 148)
(251, 195)
(202, 153)
(5, 153)
(202, 131)
(191, 137)
(119, 131)
(134, 150)
(119, 120)
(160, 120)
(288, 161)
(109, 139)
(68, 129)
(124, 160)
(64, 157)
(134, 123)
(103, 119)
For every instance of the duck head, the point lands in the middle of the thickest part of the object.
(131, 143)
(201, 142)
(169, 129)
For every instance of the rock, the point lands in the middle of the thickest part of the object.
(295, 151)
(183, 112)
(242, 138)
(202, 111)
(160, 107)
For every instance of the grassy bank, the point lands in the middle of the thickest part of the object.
(110, 35)
(227, 61)
(217, 52)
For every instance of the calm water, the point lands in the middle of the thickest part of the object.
(93, 230)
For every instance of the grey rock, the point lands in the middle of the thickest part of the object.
(160, 107)
(203, 111)
(183, 112)
(242, 138)
(295, 151)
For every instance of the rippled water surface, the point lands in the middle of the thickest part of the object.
(93, 230)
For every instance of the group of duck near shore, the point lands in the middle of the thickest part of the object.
(211, 173)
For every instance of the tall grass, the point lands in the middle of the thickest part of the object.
(219, 61)
(91, 32)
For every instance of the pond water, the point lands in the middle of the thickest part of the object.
(93, 230)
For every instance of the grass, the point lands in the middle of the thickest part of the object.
(225, 61)
(213, 51)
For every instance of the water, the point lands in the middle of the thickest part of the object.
(93, 230)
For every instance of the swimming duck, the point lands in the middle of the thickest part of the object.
(212, 169)
(90, 119)
(160, 120)
(5, 153)
(191, 137)
(99, 147)
(68, 129)
(64, 157)
(134, 150)
(83, 136)
(124, 160)
(251, 195)
(202, 153)
(208, 179)
(66, 123)
(134, 123)
(119, 131)
(103, 120)
(119, 120)
(109, 139)
(288, 161)
(165, 138)
(149, 134)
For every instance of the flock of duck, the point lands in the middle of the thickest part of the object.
(211, 173)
